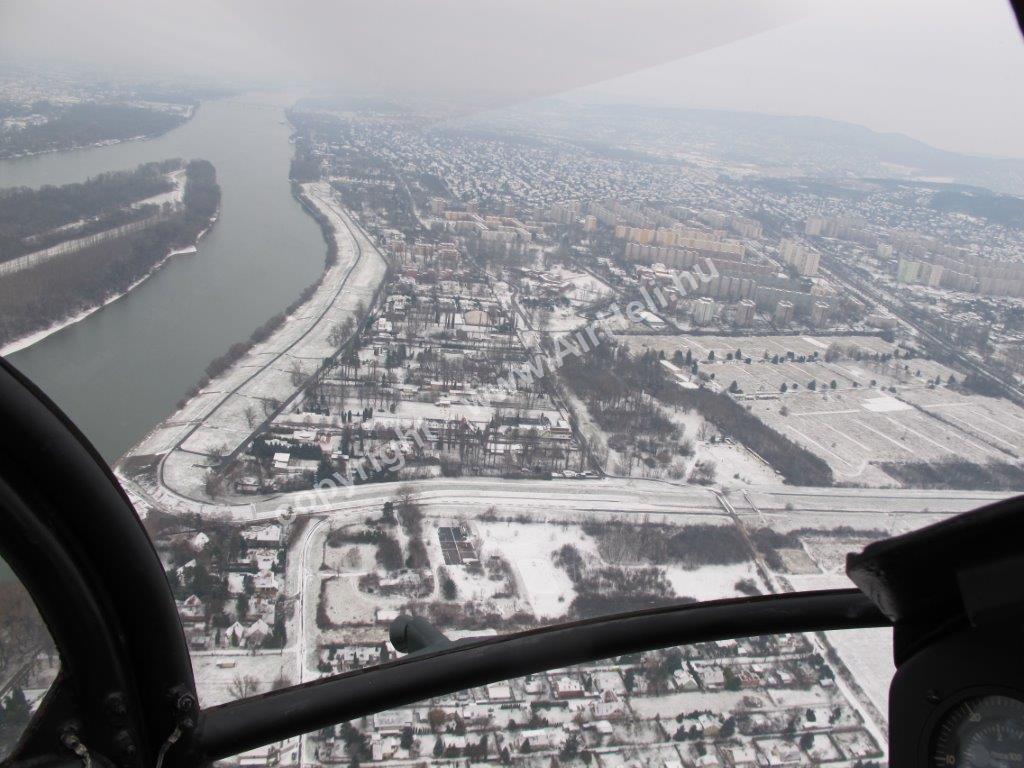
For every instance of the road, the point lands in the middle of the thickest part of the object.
(217, 413)
(607, 495)
(641, 500)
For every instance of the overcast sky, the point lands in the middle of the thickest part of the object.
(943, 71)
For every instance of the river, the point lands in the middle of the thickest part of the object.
(123, 369)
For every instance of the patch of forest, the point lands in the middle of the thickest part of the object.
(957, 475)
(1007, 210)
(82, 125)
(621, 390)
(691, 546)
(796, 464)
(35, 298)
(620, 394)
(33, 219)
(601, 590)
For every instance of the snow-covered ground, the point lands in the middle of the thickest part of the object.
(218, 673)
(867, 653)
(712, 582)
(530, 548)
(735, 465)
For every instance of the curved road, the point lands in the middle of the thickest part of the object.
(271, 362)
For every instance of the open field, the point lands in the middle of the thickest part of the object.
(218, 672)
(853, 429)
(853, 411)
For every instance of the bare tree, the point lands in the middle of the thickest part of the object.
(281, 681)
(214, 484)
(250, 416)
(296, 373)
(340, 332)
(703, 472)
(243, 686)
(353, 558)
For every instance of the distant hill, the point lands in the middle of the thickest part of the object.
(803, 141)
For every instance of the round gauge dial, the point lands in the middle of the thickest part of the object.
(981, 732)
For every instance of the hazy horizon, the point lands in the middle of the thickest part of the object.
(934, 71)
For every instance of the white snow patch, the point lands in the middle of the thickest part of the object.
(529, 548)
(884, 404)
(712, 582)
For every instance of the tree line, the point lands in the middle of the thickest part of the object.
(796, 464)
(28, 217)
(62, 287)
(82, 125)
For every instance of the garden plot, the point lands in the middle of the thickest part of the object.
(477, 588)
(349, 557)
(344, 603)
(853, 429)
(856, 745)
(478, 578)
(988, 424)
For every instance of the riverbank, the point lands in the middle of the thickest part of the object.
(120, 372)
(170, 461)
(34, 338)
(28, 155)
(88, 279)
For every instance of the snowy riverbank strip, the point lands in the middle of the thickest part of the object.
(213, 420)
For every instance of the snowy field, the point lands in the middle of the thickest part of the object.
(851, 429)
(218, 672)
(712, 582)
(347, 604)
(867, 653)
(530, 548)
(581, 288)
(735, 465)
